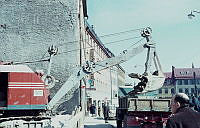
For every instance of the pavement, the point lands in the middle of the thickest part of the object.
(98, 122)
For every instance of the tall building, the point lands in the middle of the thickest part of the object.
(101, 86)
(29, 27)
(186, 80)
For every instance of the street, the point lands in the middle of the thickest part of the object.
(96, 122)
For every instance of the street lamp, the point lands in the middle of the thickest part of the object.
(191, 15)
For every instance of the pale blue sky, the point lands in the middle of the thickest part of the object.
(177, 37)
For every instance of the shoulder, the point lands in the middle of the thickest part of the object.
(171, 122)
(183, 113)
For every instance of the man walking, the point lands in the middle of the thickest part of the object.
(106, 112)
(182, 115)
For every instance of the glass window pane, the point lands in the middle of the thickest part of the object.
(160, 91)
(172, 91)
(166, 90)
(180, 82)
(185, 82)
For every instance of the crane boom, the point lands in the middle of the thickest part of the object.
(92, 67)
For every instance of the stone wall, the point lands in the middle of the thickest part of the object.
(29, 27)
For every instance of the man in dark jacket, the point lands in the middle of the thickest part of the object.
(182, 115)
(106, 112)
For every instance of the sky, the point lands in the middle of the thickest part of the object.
(176, 36)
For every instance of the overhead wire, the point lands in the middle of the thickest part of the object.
(103, 36)
(122, 32)
(136, 43)
(107, 35)
(122, 40)
(104, 44)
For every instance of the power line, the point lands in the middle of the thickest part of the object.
(135, 43)
(29, 62)
(107, 35)
(104, 44)
(42, 59)
(122, 32)
(122, 40)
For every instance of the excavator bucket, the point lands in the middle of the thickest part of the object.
(149, 81)
(154, 82)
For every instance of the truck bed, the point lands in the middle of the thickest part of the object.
(134, 104)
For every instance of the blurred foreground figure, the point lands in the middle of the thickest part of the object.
(182, 115)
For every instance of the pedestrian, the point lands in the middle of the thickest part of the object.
(106, 112)
(195, 102)
(182, 115)
(92, 110)
(99, 111)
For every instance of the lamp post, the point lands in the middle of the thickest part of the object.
(191, 15)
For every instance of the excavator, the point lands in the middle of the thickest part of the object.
(149, 82)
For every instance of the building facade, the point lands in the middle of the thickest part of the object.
(29, 27)
(101, 86)
(183, 80)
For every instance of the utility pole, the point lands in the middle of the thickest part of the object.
(111, 89)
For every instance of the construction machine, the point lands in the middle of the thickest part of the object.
(24, 95)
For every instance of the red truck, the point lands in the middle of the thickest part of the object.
(142, 113)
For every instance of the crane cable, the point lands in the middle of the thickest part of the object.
(103, 36)
(107, 35)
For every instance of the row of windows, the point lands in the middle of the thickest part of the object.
(181, 90)
(184, 82)
(93, 44)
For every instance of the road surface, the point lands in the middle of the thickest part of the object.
(95, 122)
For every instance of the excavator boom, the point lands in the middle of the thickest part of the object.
(92, 67)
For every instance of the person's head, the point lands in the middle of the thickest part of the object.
(179, 100)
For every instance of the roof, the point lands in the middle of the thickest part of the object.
(15, 68)
(123, 91)
(168, 74)
(186, 72)
(181, 73)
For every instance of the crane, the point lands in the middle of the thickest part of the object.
(153, 81)
(19, 81)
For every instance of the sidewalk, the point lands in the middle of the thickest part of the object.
(96, 122)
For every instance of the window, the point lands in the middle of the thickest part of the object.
(197, 81)
(179, 82)
(191, 81)
(186, 91)
(160, 91)
(168, 82)
(166, 91)
(92, 54)
(180, 90)
(185, 82)
(172, 91)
